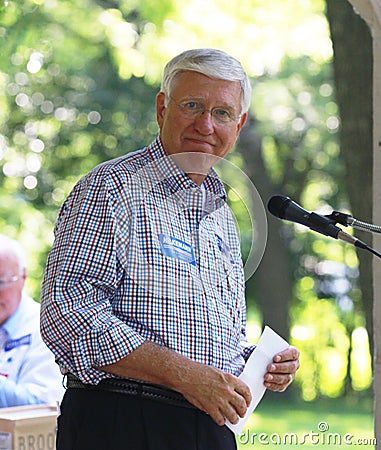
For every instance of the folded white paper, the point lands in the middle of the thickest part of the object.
(255, 369)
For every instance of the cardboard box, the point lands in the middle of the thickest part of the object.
(28, 427)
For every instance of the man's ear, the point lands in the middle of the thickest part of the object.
(23, 275)
(160, 108)
(242, 122)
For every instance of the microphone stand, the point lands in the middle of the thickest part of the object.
(345, 219)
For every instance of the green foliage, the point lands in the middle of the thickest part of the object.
(329, 328)
(63, 111)
(299, 120)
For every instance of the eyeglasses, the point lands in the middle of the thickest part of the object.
(6, 282)
(191, 108)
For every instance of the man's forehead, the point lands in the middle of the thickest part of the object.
(8, 257)
(197, 85)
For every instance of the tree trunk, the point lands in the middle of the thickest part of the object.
(353, 67)
(272, 281)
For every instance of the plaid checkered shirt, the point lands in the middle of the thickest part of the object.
(141, 253)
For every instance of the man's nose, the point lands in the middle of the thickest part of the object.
(204, 122)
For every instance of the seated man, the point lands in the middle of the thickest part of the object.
(28, 373)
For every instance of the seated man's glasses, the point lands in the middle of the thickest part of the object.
(6, 282)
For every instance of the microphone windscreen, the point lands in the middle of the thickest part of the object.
(277, 205)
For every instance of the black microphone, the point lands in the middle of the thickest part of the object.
(285, 208)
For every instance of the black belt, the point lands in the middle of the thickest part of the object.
(132, 387)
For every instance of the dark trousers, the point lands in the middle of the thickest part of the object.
(98, 420)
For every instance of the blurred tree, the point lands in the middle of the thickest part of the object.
(353, 69)
(63, 110)
(296, 117)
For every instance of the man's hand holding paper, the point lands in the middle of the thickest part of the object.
(272, 365)
(281, 372)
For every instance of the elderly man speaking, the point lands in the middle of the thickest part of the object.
(143, 297)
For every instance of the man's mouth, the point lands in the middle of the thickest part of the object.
(200, 141)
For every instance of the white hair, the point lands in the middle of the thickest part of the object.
(214, 64)
(11, 246)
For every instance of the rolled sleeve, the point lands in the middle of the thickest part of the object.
(101, 346)
(81, 277)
